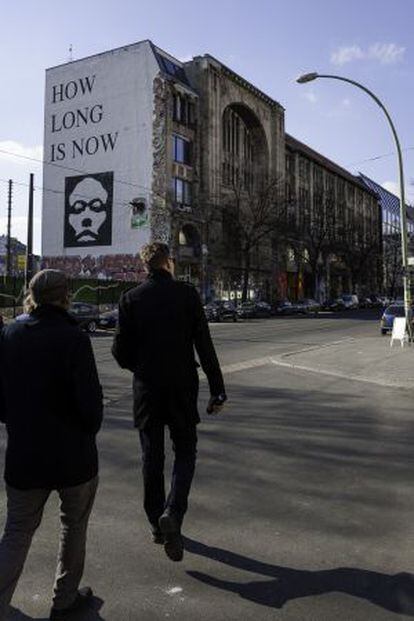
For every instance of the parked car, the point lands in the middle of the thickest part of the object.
(254, 310)
(375, 301)
(307, 306)
(387, 319)
(246, 310)
(86, 315)
(336, 304)
(350, 301)
(263, 309)
(284, 307)
(366, 302)
(220, 310)
(385, 301)
(108, 319)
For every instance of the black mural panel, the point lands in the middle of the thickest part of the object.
(88, 210)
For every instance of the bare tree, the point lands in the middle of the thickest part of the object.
(256, 216)
(313, 236)
(358, 250)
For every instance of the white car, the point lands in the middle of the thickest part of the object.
(350, 301)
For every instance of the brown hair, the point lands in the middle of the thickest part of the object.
(47, 287)
(155, 255)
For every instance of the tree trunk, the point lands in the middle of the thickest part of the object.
(246, 274)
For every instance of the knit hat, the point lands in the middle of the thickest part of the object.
(48, 286)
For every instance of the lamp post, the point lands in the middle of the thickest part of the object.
(309, 77)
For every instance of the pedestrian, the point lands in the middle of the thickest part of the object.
(160, 323)
(51, 403)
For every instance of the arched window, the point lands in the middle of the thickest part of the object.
(189, 238)
(244, 149)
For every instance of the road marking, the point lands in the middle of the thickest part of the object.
(174, 590)
(248, 364)
(349, 339)
(339, 375)
(260, 362)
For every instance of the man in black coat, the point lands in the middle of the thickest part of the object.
(51, 403)
(160, 323)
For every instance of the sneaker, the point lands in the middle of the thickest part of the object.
(173, 544)
(82, 601)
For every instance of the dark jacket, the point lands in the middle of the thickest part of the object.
(160, 323)
(50, 400)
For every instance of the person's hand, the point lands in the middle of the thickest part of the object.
(215, 405)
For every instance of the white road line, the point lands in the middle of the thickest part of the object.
(339, 375)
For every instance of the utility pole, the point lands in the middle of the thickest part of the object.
(8, 244)
(29, 249)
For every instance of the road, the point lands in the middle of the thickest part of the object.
(302, 505)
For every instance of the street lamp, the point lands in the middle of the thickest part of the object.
(309, 77)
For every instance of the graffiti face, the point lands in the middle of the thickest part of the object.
(88, 210)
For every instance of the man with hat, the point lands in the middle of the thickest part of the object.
(51, 404)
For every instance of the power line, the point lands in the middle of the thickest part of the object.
(56, 165)
(43, 189)
(378, 157)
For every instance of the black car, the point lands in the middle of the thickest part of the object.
(284, 307)
(220, 310)
(108, 319)
(263, 309)
(336, 304)
(86, 315)
(307, 306)
(254, 310)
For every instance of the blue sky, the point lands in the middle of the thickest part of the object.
(269, 42)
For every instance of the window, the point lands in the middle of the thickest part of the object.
(181, 150)
(237, 146)
(181, 193)
(171, 68)
(183, 110)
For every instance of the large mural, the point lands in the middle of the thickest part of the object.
(88, 210)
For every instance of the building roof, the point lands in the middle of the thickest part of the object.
(387, 199)
(171, 67)
(296, 145)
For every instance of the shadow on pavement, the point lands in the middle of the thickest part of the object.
(90, 614)
(391, 592)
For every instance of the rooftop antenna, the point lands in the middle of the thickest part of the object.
(70, 53)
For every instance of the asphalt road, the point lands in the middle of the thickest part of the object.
(302, 504)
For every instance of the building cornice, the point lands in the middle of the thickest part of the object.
(238, 79)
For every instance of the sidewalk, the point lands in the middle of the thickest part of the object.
(369, 359)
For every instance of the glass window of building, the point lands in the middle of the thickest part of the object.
(181, 150)
(182, 195)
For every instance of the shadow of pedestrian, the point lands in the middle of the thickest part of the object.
(391, 592)
(89, 614)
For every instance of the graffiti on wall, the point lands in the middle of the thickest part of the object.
(125, 267)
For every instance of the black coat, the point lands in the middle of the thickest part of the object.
(50, 400)
(160, 323)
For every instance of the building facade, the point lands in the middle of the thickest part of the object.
(391, 236)
(140, 146)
